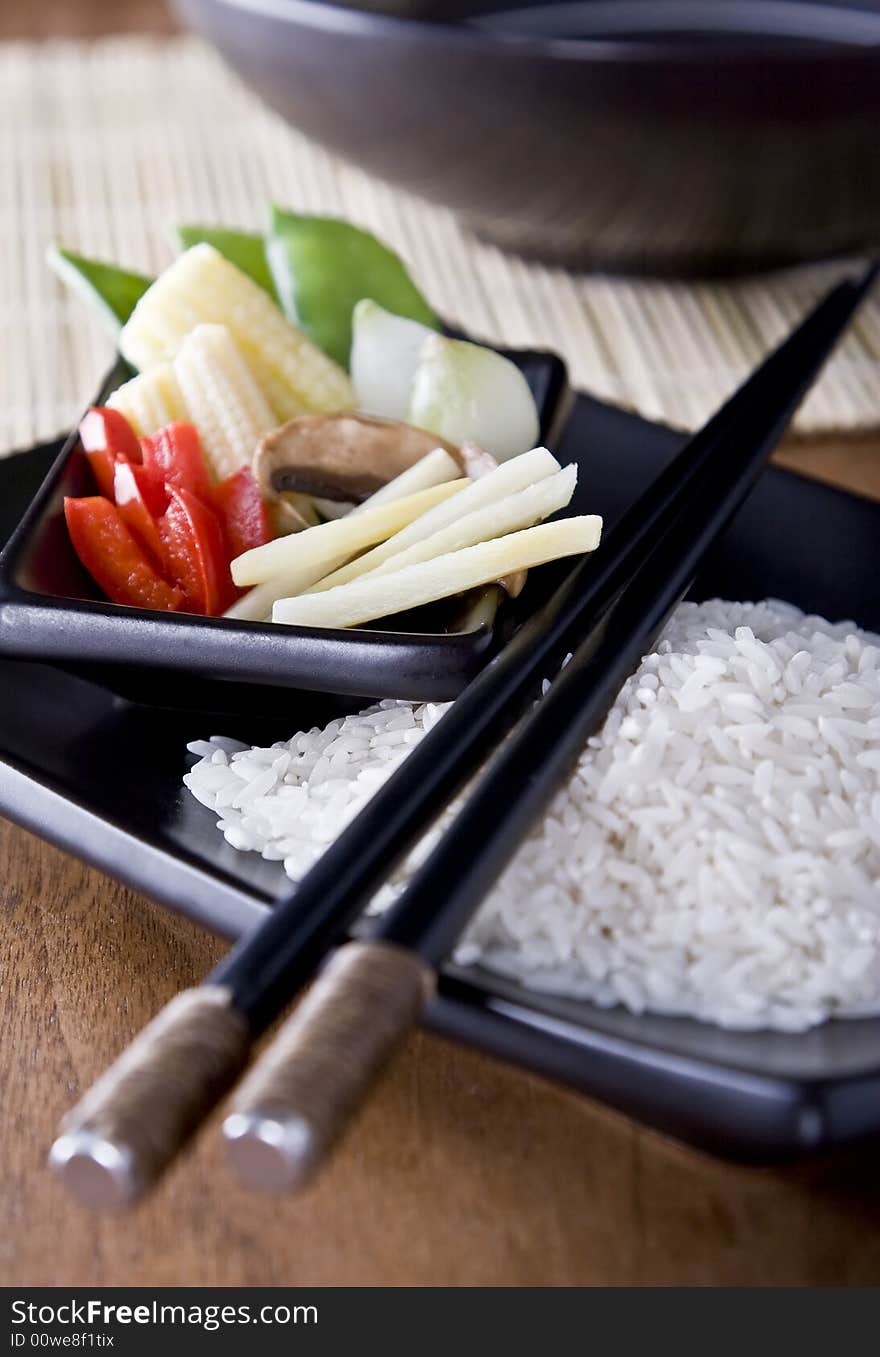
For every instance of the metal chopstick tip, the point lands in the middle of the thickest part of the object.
(270, 1153)
(128, 1126)
(96, 1171)
(296, 1101)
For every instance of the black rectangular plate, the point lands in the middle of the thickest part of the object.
(67, 749)
(51, 610)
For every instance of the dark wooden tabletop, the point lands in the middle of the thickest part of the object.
(460, 1170)
(84, 18)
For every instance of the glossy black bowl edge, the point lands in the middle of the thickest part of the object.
(728, 1113)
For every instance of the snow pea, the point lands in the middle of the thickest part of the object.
(116, 291)
(322, 267)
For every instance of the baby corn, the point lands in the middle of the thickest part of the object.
(150, 401)
(225, 403)
(202, 287)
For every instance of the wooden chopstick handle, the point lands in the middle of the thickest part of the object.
(295, 1102)
(129, 1125)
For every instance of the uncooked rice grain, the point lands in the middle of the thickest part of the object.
(715, 853)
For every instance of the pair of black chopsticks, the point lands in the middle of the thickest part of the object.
(607, 613)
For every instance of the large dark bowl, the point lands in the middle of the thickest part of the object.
(750, 143)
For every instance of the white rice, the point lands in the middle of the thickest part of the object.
(716, 852)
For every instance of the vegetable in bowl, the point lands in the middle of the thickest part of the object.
(240, 425)
(460, 390)
(161, 534)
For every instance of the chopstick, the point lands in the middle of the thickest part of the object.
(292, 1107)
(128, 1127)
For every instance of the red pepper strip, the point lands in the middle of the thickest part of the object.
(105, 435)
(114, 559)
(195, 554)
(242, 512)
(174, 455)
(153, 492)
(140, 499)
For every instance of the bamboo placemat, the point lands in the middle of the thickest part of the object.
(103, 145)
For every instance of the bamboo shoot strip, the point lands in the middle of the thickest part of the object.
(323, 543)
(507, 479)
(436, 468)
(365, 599)
(510, 514)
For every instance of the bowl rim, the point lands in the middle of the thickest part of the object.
(71, 629)
(341, 18)
(370, 662)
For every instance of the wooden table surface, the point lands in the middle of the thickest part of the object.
(460, 1171)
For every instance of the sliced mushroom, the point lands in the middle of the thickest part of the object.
(341, 457)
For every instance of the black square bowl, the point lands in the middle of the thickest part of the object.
(68, 751)
(51, 610)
